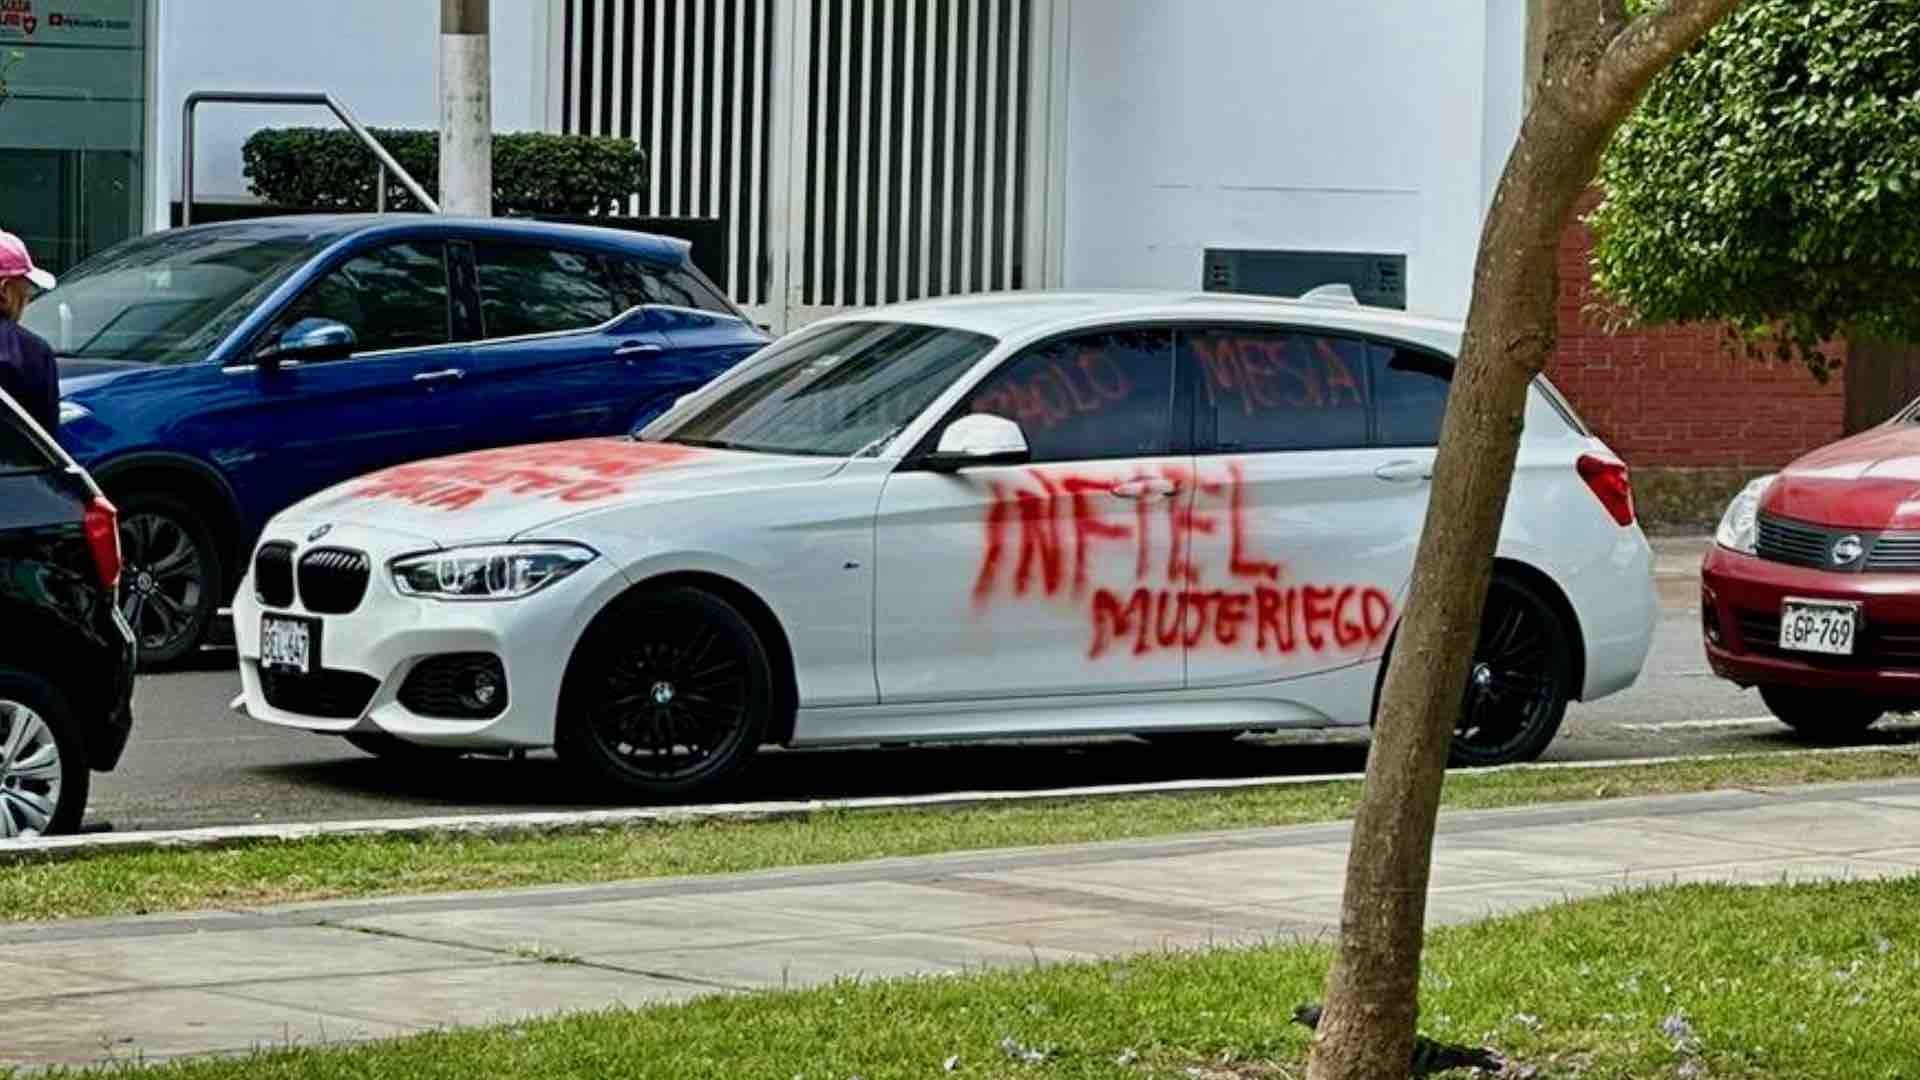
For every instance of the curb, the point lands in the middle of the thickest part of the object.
(49, 849)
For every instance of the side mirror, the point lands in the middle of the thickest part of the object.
(978, 439)
(307, 340)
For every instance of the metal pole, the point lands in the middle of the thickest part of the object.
(242, 97)
(379, 188)
(466, 108)
(186, 161)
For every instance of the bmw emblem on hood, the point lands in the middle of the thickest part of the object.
(323, 530)
(1847, 550)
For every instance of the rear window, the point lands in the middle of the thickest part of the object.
(21, 449)
(638, 282)
(537, 290)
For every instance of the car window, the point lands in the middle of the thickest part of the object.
(1409, 395)
(536, 290)
(638, 281)
(393, 297)
(840, 390)
(20, 449)
(1088, 397)
(1268, 389)
(169, 298)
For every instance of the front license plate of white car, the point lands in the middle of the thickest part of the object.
(289, 644)
(1819, 626)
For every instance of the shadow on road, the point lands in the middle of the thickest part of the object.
(543, 783)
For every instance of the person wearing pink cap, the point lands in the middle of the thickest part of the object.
(27, 370)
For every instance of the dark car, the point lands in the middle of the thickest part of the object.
(212, 376)
(66, 654)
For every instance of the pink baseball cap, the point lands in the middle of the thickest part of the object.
(15, 262)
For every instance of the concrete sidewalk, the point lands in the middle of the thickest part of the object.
(155, 987)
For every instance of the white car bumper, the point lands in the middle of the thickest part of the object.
(1619, 608)
(366, 656)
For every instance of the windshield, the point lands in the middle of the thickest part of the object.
(168, 298)
(840, 391)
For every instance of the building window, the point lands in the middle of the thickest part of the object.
(73, 125)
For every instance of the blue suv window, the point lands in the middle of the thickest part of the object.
(638, 282)
(537, 290)
(393, 297)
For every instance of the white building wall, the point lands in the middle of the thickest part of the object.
(379, 57)
(1378, 126)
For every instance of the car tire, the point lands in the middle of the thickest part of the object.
(43, 769)
(171, 581)
(671, 692)
(1822, 715)
(1521, 678)
(390, 748)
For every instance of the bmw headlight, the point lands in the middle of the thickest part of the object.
(490, 572)
(73, 410)
(1740, 526)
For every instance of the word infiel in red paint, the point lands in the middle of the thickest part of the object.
(1043, 542)
(575, 472)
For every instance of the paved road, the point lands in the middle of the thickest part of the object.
(192, 762)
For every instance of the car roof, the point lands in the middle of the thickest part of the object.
(1037, 313)
(327, 228)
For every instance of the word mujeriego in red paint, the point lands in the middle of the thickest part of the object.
(1043, 541)
(575, 472)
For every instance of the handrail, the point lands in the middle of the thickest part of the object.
(269, 97)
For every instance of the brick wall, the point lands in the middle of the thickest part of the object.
(1676, 397)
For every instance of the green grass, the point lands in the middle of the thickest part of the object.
(1804, 981)
(280, 872)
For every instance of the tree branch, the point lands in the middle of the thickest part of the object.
(1650, 42)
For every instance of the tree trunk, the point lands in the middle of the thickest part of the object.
(1597, 65)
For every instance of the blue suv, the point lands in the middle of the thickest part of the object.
(211, 376)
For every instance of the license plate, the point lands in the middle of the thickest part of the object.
(1819, 626)
(289, 644)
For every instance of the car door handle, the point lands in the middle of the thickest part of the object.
(1405, 472)
(637, 348)
(452, 374)
(1146, 487)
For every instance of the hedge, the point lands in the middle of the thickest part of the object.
(328, 169)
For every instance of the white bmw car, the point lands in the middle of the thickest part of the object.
(1168, 515)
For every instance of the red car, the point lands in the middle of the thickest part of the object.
(1811, 592)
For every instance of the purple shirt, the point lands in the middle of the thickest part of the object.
(28, 373)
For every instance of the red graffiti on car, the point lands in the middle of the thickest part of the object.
(1042, 543)
(577, 472)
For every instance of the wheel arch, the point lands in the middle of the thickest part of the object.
(758, 613)
(193, 480)
(1542, 582)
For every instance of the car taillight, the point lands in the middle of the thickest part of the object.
(1608, 479)
(103, 536)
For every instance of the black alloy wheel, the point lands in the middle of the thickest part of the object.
(1520, 681)
(43, 769)
(169, 579)
(670, 693)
